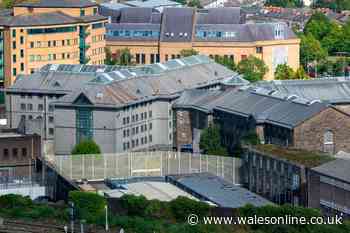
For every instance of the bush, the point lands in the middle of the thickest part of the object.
(15, 201)
(86, 147)
(89, 206)
(135, 205)
(181, 207)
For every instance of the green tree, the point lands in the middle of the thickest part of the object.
(188, 52)
(86, 147)
(210, 141)
(336, 5)
(300, 73)
(225, 61)
(122, 57)
(334, 41)
(318, 25)
(285, 3)
(310, 50)
(252, 68)
(194, 3)
(284, 72)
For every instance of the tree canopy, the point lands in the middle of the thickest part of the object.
(311, 50)
(284, 72)
(122, 57)
(188, 52)
(210, 141)
(285, 3)
(86, 147)
(252, 68)
(336, 5)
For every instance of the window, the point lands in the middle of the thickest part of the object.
(14, 58)
(6, 152)
(95, 10)
(40, 107)
(51, 119)
(82, 12)
(14, 71)
(152, 58)
(22, 53)
(63, 42)
(23, 107)
(14, 44)
(51, 30)
(259, 49)
(32, 44)
(166, 57)
(137, 58)
(150, 138)
(150, 114)
(24, 152)
(243, 57)
(51, 131)
(22, 66)
(21, 40)
(328, 137)
(30, 107)
(14, 152)
(14, 33)
(49, 43)
(84, 124)
(150, 126)
(143, 58)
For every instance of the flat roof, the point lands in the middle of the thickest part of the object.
(150, 189)
(217, 190)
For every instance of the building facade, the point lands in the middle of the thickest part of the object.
(153, 37)
(62, 32)
(329, 188)
(133, 114)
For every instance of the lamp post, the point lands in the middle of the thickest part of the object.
(106, 226)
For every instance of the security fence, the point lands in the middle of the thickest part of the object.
(136, 164)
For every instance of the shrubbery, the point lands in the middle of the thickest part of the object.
(88, 206)
(86, 147)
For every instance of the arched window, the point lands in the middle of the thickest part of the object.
(328, 138)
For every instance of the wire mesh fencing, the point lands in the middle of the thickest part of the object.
(137, 164)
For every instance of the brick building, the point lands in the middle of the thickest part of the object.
(17, 151)
(282, 120)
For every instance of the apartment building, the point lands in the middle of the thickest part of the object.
(157, 37)
(50, 31)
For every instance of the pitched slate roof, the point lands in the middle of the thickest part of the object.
(338, 169)
(41, 19)
(333, 90)
(177, 24)
(224, 15)
(269, 109)
(57, 3)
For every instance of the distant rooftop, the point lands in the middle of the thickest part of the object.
(152, 3)
(215, 189)
(299, 157)
(57, 3)
(334, 90)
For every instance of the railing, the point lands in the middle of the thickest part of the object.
(136, 164)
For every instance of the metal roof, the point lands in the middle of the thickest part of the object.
(333, 90)
(338, 169)
(57, 3)
(269, 109)
(217, 190)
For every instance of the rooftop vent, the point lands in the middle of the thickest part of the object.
(167, 34)
(99, 95)
(314, 101)
(100, 70)
(292, 97)
(54, 67)
(185, 34)
(181, 34)
(172, 34)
